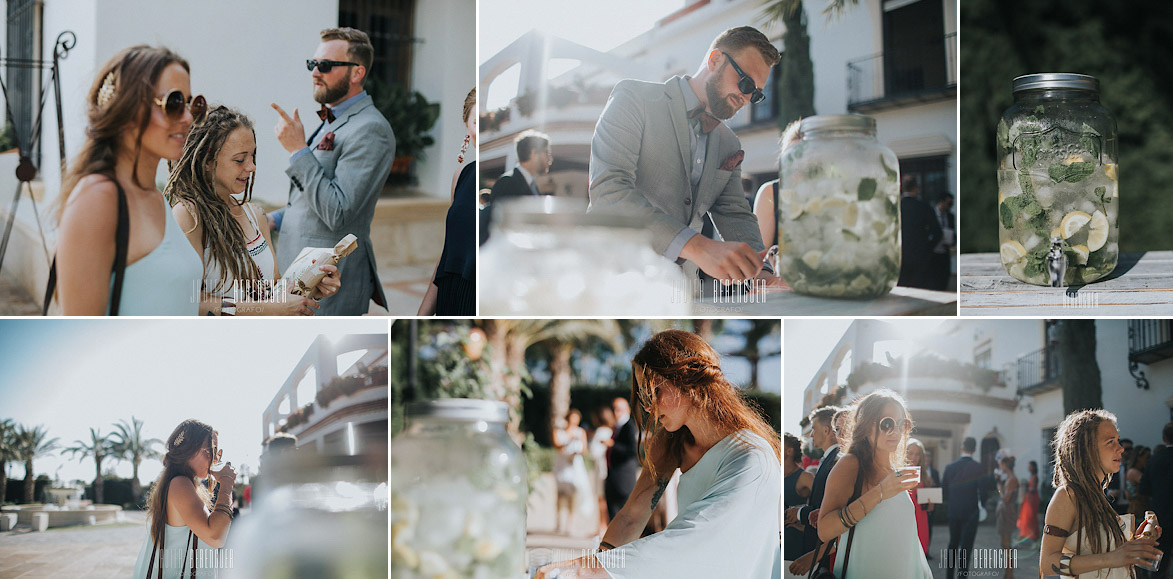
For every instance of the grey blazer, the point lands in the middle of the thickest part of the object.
(333, 193)
(639, 166)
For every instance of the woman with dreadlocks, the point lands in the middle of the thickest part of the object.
(1083, 536)
(181, 513)
(729, 498)
(210, 188)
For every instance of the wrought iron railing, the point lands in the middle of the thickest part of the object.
(909, 72)
(1038, 368)
(1150, 340)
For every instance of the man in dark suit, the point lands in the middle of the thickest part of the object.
(622, 461)
(824, 436)
(533, 161)
(1157, 483)
(946, 247)
(965, 484)
(919, 234)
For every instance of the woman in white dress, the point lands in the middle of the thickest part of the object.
(574, 486)
(181, 514)
(867, 496)
(1083, 536)
(730, 487)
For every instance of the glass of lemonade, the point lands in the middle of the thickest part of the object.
(839, 210)
(1058, 198)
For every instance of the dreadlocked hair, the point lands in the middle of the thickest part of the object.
(192, 183)
(1077, 467)
(687, 362)
(188, 439)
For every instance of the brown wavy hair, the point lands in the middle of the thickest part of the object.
(192, 182)
(687, 362)
(865, 419)
(196, 437)
(136, 70)
(792, 442)
(1078, 467)
(470, 101)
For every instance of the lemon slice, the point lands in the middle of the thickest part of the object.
(1055, 233)
(1072, 159)
(851, 215)
(1012, 252)
(1073, 222)
(814, 206)
(812, 258)
(796, 211)
(1081, 253)
(1110, 171)
(1097, 233)
(787, 195)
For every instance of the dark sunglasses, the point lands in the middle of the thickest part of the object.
(745, 84)
(174, 103)
(888, 425)
(325, 66)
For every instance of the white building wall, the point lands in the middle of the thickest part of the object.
(444, 71)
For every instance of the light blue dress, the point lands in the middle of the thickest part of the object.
(729, 521)
(174, 566)
(886, 544)
(166, 281)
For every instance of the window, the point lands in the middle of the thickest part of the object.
(982, 357)
(931, 173)
(24, 35)
(763, 112)
(914, 46)
(389, 24)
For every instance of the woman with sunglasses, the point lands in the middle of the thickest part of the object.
(692, 419)
(866, 504)
(1083, 536)
(119, 250)
(210, 188)
(184, 519)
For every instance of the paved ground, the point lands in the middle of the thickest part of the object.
(100, 551)
(1027, 554)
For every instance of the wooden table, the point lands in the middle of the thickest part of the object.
(902, 301)
(1141, 285)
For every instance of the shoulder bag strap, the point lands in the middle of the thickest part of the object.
(161, 548)
(851, 534)
(121, 244)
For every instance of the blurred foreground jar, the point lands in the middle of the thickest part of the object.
(548, 257)
(459, 493)
(313, 515)
(839, 210)
(1057, 182)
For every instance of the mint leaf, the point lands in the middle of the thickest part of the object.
(1025, 183)
(892, 174)
(1039, 110)
(867, 189)
(1003, 137)
(1090, 143)
(1072, 173)
(1102, 196)
(1036, 264)
(1006, 213)
(1029, 146)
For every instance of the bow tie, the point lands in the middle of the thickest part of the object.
(708, 121)
(326, 114)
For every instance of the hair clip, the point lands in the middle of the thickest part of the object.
(109, 84)
(178, 439)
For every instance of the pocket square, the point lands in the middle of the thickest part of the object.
(327, 143)
(732, 162)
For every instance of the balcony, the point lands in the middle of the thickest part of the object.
(1150, 341)
(1038, 372)
(903, 76)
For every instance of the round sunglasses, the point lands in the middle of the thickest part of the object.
(745, 84)
(174, 103)
(325, 66)
(889, 425)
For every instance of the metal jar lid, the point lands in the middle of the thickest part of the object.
(557, 211)
(1056, 80)
(833, 122)
(464, 409)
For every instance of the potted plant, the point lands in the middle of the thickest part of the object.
(411, 117)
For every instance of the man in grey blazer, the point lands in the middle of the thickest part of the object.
(336, 175)
(661, 152)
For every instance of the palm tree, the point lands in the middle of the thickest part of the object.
(31, 443)
(129, 444)
(99, 447)
(758, 330)
(7, 453)
(562, 337)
